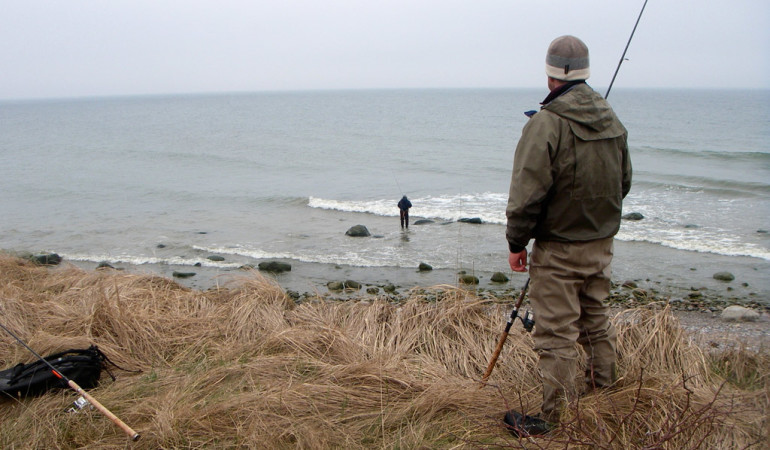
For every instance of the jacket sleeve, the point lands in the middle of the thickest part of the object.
(531, 179)
(627, 171)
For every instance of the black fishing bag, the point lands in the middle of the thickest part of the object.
(83, 366)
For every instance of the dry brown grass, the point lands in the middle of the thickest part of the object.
(245, 367)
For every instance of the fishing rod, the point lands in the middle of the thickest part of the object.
(528, 321)
(130, 432)
(622, 58)
(396, 180)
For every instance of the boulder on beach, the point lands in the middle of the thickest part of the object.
(737, 313)
(358, 231)
(176, 274)
(215, 258)
(468, 279)
(422, 222)
(350, 284)
(633, 216)
(470, 220)
(724, 276)
(46, 259)
(499, 277)
(423, 267)
(274, 266)
(335, 285)
(340, 285)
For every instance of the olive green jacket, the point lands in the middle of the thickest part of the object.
(571, 172)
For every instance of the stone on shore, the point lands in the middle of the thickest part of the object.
(215, 258)
(340, 285)
(274, 266)
(350, 284)
(499, 277)
(422, 222)
(724, 276)
(468, 279)
(633, 216)
(358, 231)
(182, 274)
(423, 267)
(335, 285)
(46, 259)
(470, 220)
(735, 313)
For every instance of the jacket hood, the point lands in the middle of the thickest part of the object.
(589, 114)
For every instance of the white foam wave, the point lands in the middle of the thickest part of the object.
(351, 258)
(139, 260)
(700, 242)
(488, 206)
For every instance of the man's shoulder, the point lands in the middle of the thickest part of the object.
(544, 119)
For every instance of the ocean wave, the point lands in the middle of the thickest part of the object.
(667, 152)
(697, 243)
(692, 183)
(488, 206)
(139, 260)
(383, 258)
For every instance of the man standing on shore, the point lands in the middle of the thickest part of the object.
(571, 172)
(403, 206)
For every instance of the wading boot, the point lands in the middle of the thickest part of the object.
(522, 425)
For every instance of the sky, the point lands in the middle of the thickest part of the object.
(91, 48)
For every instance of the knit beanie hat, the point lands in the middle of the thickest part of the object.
(567, 59)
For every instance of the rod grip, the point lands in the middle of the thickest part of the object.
(495, 355)
(128, 430)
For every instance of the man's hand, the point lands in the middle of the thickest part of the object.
(518, 261)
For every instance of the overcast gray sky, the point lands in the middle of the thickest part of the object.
(80, 48)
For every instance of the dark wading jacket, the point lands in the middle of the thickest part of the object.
(571, 172)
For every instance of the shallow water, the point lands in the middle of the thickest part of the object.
(284, 175)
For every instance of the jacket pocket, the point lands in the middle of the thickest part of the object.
(598, 171)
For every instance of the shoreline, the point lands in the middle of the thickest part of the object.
(670, 274)
(698, 310)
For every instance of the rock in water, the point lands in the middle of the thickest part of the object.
(335, 285)
(351, 284)
(724, 276)
(183, 274)
(274, 266)
(47, 259)
(358, 231)
(499, 277)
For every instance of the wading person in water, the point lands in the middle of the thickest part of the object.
(403, 205)
(571, 172)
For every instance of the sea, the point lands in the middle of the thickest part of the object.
(171, 180)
